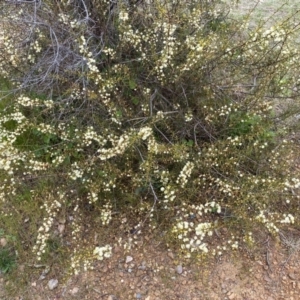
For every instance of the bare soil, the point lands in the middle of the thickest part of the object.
(269, 273)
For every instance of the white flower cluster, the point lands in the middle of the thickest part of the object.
(64, 18)
(169, 49)
(248, 238)
(167, 189)
(16, 116)
(269, 224)
(11, 51)
(8, 155)
(52, 207)
(76, 172)
(102, 252)
(59, 159)
(34, 165)
(37, 46)
(75, 262)
(234, 244)
(278, 35)
(227, 187)
(188, 116)
(212, 207)
(119, 148)
(196, 46)
(185, 174)
(202, 229)
(145, 132)
(288, 219)
(192, 227)
(92, 197)
(26, 101)
(109, 51)
(153, 146)
(123, 16)
(105, 214)
(91, 135)
(122, 143)
(190, 242)
(293, 183)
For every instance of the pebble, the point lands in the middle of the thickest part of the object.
(139, 273)
(232, 296)
(292, 276)
(42, 277)
(52, 284)
(128, 259)
(138, 296)
(267, 278)
(74, 290)
(61, 228)
(142, 267)
(179, 269)
(3, 242)
(171, 255)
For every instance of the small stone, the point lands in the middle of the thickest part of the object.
(52, 284)
(148, 298)
(267, 278)
(33, 284)
(128, 259)
(74, 290)
(21, 268)
(61, 228)
(171, 255)
(117, 249)
(292, 276)
(232, 296)
(179, 269)
(3, 242)
(42, 277)
(142, 266)
(138, 296)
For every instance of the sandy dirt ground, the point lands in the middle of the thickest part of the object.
(150, 272)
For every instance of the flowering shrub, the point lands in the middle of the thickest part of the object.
(164, 110)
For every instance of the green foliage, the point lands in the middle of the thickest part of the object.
(7, 260)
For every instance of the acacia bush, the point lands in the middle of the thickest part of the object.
(162, 113)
